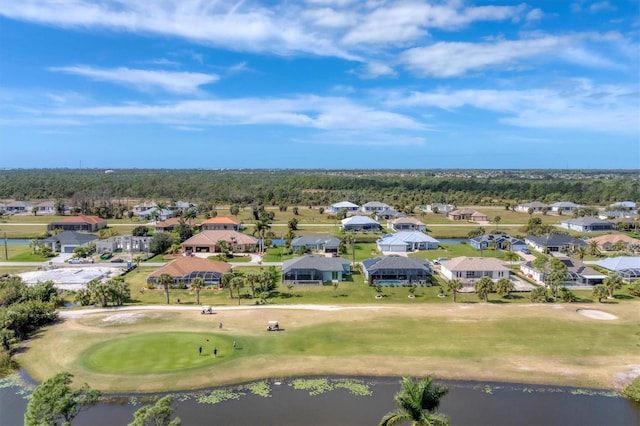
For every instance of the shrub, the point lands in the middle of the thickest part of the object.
(567, 295)
(634, 288)
(632, 390)
(538, 295)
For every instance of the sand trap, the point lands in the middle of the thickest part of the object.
(599, 315)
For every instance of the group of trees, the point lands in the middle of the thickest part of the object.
(102, 293)
(108, 195)
(23, 309)
(55, 402)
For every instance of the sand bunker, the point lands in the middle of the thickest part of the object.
(70, 278)
(130, 317)
(599, 315)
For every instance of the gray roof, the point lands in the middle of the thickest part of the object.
(564, 204)
(319, 263)
(496, 237)
(390, 212)
(358, 220)
(307, 240)
(555, 240)
(395, 262)
(375, 204)
(585, 221)
(71, 238)
(620, 263)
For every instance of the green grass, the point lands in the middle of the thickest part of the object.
(154, 353)
(276, 254)
(455, 250)
(233, 259)
(21, 253)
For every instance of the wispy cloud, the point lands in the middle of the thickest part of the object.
(170, 81)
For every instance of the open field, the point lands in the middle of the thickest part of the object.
(547, 344)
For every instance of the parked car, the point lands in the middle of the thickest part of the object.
(75, 260)
(117, 260)
(525, 250)
(440, 260)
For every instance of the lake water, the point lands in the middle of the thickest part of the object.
(13, 241)
(453, 240)
(467, 403)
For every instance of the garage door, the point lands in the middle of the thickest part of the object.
(68, 249)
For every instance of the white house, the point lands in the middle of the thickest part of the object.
(406, 241)
(535, 206)
(587, 224)
(473, 268)
(406, 224)
(360, 223)
(343, 205)
(562, 207)
(374, 206)
(438, 208)
(624, 205)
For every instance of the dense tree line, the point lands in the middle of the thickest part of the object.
(23, 309)
(93, 191)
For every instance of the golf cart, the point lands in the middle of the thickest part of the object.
(206, 310)
(273, 326)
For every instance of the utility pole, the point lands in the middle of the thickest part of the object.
(6, 250)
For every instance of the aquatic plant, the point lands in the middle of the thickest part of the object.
(355, 387)
(261, 388)
(218, 395)
(314, 386)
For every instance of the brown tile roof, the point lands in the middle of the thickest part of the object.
(169, 222)
(407, 219)
(614, 238)
(221, 220)
(212, 237)
(184, 265)
(80, 219)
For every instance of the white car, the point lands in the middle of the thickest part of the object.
(440, 260)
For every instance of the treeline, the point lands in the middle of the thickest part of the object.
(309, 187)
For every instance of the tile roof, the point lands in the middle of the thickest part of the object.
(474, 264)
(319, 263)
(343, 204)
(375, 204)
(620, 263)
(555, 240)
(358, 220)
(212, 238)
(407, 219)
(221, 220)
(407, 236)
(614, 238)
(80, 219)
(396, 262)
(184, 265)
(315, 240)
(169, 222)
(70, 238)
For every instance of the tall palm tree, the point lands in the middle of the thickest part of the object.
(417, 402)
(197, 284)
(511, 256)
(594, 249)
(454, 286)
(189, 215)
(225, 282)
(238, 283)
(261, 227)
(600, 291)
(484, 286)
(581, 252)
(165, 280)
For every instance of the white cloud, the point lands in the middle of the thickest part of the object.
(303, 111)
(602, 6)
(534, 15)
(575, 104)
(170, 81)
(376, 69)
(363, 138)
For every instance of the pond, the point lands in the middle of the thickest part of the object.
(358, 401)
(454, 240)
(14, 241)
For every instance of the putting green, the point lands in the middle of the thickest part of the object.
(154, 353)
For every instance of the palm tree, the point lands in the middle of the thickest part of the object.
(262, 226)
(252, 280)
(417, 402)
(137, 261)
(612, 282)
(497, 221)
(454, 286)
(484, 286)
(504, 287)
(581, 252)
(237, 282)
(165, 280)
(197, 284)
(225, 281)
(600, 291)
(189, 215)
(511, 256)
(594, 249)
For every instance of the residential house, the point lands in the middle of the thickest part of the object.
(185, 268)
(3, 208)
(360, 223)
(624, 205)
(78, 223)
(45, 208)
(128, 243)
(155, 214)
(627, 267)
(183, 205)
(389, 214)
(438, 208)
(314, 270)
(554, 242)
(577, 273)
(343, 205)
(374, 206)
(316, 243)
(535, 206)
(497, 241)
(68, 241)
(407, 224)
(17, 207)
(396, 270)
(219, 223)
(611, 242)
(617, 214)
(406, 241)
(469, 269)
(587, 224)
(209, 242)
(467, 214)
(143, 207)
(563, 207)
(167, 225)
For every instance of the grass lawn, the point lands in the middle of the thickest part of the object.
(147, 351)
(20, 253)
(455, 250)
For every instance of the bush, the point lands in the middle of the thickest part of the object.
(566, 295)
(538, 295)
(632, 390)
(634, 288)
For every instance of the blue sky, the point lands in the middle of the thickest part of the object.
(319, 84)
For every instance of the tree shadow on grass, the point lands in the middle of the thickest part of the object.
(497, 301)
(623, 297)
